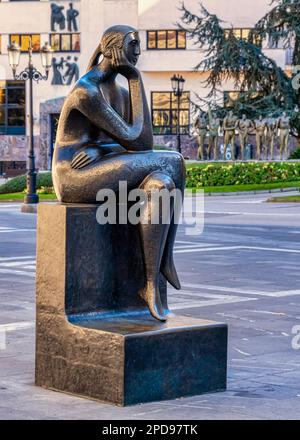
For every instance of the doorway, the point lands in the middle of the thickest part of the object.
(54, 117)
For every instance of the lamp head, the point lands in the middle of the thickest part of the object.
(46, 56)
(14, 52)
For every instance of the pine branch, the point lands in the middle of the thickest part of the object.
(281, 23)
(266, 88)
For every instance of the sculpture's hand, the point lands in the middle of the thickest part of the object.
(121, 64)
(86, 157)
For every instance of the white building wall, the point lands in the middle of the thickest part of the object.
(95, 16)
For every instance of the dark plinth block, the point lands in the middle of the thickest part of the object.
(94, 335)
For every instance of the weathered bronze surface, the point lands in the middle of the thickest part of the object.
(102, 328)
(105, 136)
(95, 336)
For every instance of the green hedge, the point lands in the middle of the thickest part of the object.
(18, 184)
(242, 174)
(201, 175)
(295, 154)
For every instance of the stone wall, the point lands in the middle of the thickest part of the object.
(52, 106)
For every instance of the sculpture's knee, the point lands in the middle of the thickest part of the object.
(157, 181)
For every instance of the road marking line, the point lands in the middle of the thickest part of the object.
(259, 248)
(4, 328)
(32, 257)
(221, 248)
(277, 294)
(242, 352)
(17, 263)
(17, 230)
(18, 272)
(267, 214)
(16, 326)
(191, 246)
(213, 302)
(227, 248)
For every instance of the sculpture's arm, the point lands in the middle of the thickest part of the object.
(93, 105)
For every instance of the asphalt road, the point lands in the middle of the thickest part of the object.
(243, 270)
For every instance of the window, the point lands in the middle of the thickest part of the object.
(230, 97)
(164, 39)
(12, 107)
(12, 168)
(242, 34)
(23, 41)
(289, 54)
(273, 44)
(165, 113)
(65, 42)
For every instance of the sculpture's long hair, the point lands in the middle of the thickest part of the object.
(112, 37)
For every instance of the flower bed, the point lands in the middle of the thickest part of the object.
(242, 174)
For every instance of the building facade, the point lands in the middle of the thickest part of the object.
(74, 28)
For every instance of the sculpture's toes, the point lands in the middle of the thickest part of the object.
(150, 294)
(169, 272)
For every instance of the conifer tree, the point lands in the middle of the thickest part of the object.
(264, 87)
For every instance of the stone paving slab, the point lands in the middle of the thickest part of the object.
(234, 272)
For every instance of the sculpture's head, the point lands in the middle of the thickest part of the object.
(119, 37)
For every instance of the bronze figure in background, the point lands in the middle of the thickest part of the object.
(260, 128)
(213, 143)
(244, 126)
(284, 134)
(229, 124)
(271, 133)
(200, 127)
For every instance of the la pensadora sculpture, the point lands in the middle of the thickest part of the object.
(103, 325)
(100, 143)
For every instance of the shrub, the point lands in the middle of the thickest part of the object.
(18, 184)
(295, 154)
(242, 174)
(46, 190)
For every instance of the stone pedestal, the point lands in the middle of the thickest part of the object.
(94, 334)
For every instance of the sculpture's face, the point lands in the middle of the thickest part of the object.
(132, 47)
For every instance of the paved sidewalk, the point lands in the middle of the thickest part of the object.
(244, 270)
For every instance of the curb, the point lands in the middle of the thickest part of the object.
(261, 191)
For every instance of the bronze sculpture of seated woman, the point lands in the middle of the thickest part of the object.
(105, 136)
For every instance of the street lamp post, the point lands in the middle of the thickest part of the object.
(177, 85)
(31, 74)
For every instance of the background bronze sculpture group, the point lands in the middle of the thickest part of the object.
(209, 128)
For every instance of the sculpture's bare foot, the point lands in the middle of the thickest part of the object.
(169, 272)
(151, 296)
